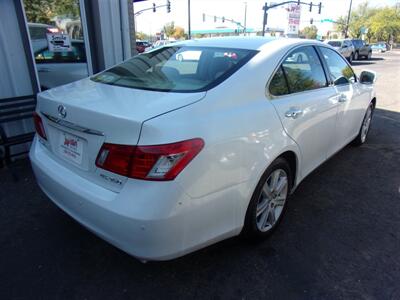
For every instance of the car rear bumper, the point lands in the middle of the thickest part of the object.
(147, 223)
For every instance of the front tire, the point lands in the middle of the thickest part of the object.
(365, 126)
(351, 58)
(269, 201)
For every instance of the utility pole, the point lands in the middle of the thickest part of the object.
(348, 20)
(245, 17)
(132, 29)
(189, 31)
(265, 19)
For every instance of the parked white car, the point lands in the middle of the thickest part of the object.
(161, 157)
(344, 47)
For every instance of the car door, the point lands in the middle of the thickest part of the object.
(349, 97)
(58, 68)
(305, 104)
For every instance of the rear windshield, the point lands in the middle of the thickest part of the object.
(177, 68)
(335, 43)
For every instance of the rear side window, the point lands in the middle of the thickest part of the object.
(340, 72)
(177, 68)
(278, 85)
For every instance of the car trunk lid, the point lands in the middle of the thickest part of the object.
(81, 116)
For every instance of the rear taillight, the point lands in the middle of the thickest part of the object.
(158, 162)
(39, 126)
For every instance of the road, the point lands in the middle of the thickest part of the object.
(339, 239)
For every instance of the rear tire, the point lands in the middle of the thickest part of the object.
(268, 203)
(365, 126)
(351, 58)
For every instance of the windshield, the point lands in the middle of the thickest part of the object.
(177, 69)
(335, 43)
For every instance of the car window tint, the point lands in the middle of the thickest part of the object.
(177, 68)
(278, 85)
(340, 71)
(303, 70)
(77, 55)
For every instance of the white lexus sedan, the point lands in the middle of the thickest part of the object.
(161, 156)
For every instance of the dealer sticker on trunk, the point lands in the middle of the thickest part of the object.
(71, 147)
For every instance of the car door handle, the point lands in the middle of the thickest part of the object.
(293, 113)
(342, 98)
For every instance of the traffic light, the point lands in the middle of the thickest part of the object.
(319, 7)
(311, 21)
(204, 17)
(168, 6)
(310, 6)
(223, 19)
(154, 7)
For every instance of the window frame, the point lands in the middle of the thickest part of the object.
(279, 66)
(331, 81)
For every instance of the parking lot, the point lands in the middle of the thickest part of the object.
(339, 239)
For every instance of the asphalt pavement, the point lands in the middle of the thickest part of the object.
(339, 239)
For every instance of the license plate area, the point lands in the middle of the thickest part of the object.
(71, 147)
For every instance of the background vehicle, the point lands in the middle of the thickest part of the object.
(162, 157)
(344, 47)
(38, 33)
(361, 49)
(57, 68)
(141, 46)
(157, 44)
(379, 47)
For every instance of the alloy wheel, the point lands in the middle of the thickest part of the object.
(366, 124)
(272, 200)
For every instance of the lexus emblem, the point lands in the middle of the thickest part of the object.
(62, 111)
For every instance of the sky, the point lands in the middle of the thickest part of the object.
(150, 23)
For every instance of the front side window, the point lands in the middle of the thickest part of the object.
(177, 68)
(340, 72)
(303, 70)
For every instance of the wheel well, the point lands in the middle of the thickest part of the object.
(291, 158)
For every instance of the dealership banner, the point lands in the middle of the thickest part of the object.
(293, 16)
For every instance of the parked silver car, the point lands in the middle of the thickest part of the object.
(345, 47)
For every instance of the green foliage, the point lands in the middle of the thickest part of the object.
(169, 29)
(310, 32)
(176, 32)
(382, 23)
(142, 36)
(42, 11)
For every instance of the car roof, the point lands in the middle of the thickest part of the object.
(251, 43)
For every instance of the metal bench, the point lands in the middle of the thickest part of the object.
(15, 109)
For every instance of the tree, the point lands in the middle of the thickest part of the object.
(141, 36)
(380, 23)
(310, 32)
(385, 24)
(42, 11)
(179, 33)
(169, 29)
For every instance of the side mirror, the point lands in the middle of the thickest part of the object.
(367, 77)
